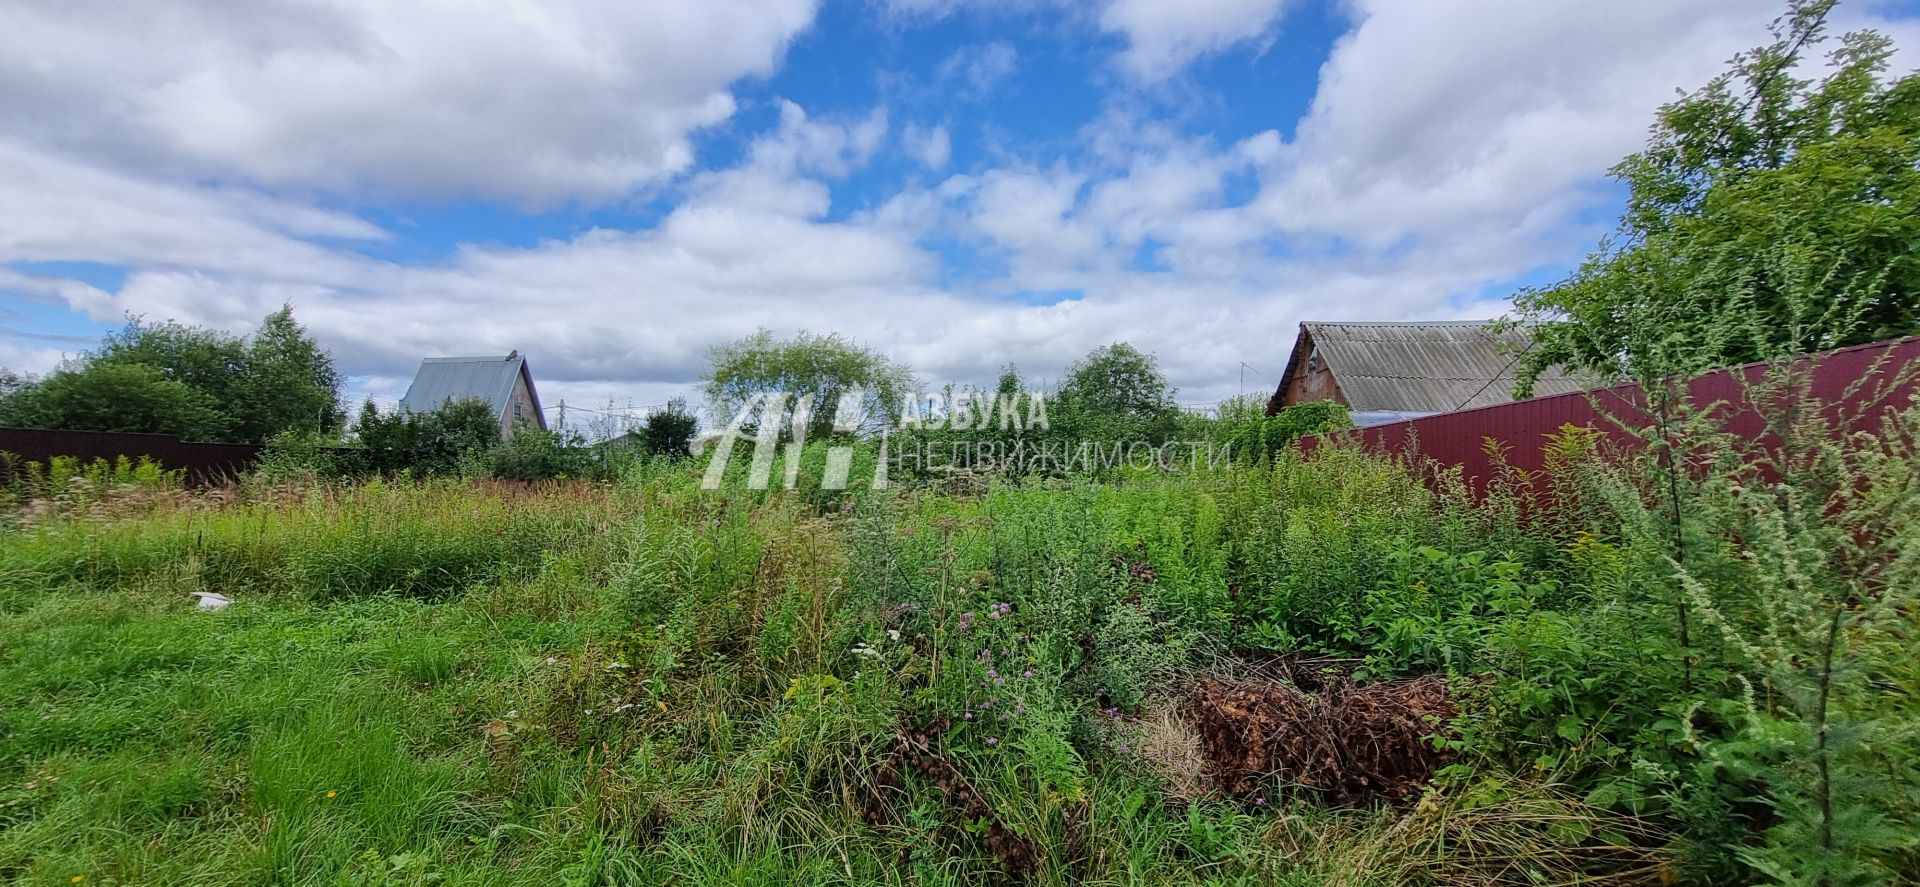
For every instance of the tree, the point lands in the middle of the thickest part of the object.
(279, 380)
(11, 382)
(807, 364)
(116, 397)
(1768, 215)
(669, 431)
(532, 454)
(288, 382)
(455, 439)
(1117, 393)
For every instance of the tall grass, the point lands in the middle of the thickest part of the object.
(647, 683)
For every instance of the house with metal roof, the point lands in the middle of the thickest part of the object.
(503, 383)
(1386, 372)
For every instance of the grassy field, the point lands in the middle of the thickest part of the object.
(645, 683)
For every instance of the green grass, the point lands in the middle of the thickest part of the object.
(643, 683)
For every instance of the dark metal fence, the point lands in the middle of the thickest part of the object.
(1857, 387)
(204, 463)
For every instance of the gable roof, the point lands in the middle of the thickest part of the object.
(1433, 367)
(489, 379)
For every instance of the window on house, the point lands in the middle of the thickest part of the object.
(1313, 361)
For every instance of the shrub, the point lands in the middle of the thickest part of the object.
(533, 454)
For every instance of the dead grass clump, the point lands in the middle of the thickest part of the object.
(1348, 744)
(1523, 834)
(1171, 749)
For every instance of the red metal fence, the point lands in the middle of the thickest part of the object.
(204, 462)
(1858, 387)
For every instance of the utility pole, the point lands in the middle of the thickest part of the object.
(1243, 377)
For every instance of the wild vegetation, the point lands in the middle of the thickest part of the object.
(1771, 213)
(200, 384)
(434, 658)
(1342, 669)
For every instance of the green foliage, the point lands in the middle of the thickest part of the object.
(117, 397)
(822, 367)
(647, 682)
(669, 430)
(66, 483)
(1768, 215)
(1253, 435)
(456, 439)
(1116, 393)
(190, 382)
(289, 383)
(297, 455)
(532, 454)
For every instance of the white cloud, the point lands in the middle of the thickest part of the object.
(1451, 145)
(538, 103)
(975, 71)
(54, 209)
(1432, 114)
(1163, 36)
(929, 145)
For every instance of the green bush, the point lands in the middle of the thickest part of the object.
(453, 440)
(533, 454)
(1254, 435)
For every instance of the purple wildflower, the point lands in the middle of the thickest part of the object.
(992, 741)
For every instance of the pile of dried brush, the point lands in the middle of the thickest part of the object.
(1349, 743)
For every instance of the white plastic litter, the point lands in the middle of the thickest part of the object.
(211, 601)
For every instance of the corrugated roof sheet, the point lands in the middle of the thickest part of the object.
(1433, 367)
(443, 379)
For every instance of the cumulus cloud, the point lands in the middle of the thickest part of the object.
(1163, 36)
(1409, 134)
(975, 71)
(1450, 146)
(536, 103)
(928, 144)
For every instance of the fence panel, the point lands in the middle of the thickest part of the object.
(205, 463)
(1858, 387)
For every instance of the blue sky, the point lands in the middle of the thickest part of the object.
(613, 187)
